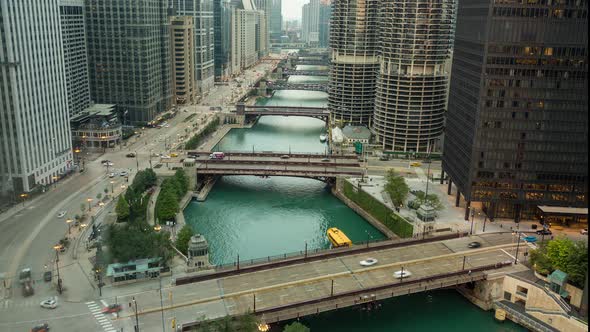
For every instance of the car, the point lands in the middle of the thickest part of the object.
(584, 231)
(285, 156)
(112, 175)
(544, 232)
(105, 161)
(325, 159)
(123, 173)
(174, 155)
(60, 247)
(530, 239)
(40, 328)
(50, 303)
(62, 214)
(47, 276)
(402, 274)
(108, 164)
(130, 155)
(416, 164)
(111, 309)
(165, 156)
(384, 158)
(474, 244)
(368, 262)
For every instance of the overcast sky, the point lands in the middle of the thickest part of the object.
(292, 9)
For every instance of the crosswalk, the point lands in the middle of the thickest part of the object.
(27, 303)
(95, 309)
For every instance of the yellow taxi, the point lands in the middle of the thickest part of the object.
(174, 155)
(416, 164)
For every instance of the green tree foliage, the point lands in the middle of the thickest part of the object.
(396, 187)
(182, 180)
(132, 242)
(194, 141)
(122, 209)
(167, 205)
(432, 200)
(143, 180)
(562, 254)
(296, 327)
(183, 238)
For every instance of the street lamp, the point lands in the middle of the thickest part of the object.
(24, 197)
(89, 200)
(136, 316)
(485, 218)
(517, 246)
(112, 187)
(57, 247)
(69, 221)
(472, 217)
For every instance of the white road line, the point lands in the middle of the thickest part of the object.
(90, 302)
(104, 303)
(507, 253)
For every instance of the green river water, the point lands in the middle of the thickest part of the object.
(255, 218)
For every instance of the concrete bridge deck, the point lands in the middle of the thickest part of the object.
(296, 290)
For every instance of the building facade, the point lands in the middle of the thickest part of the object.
(266, 7)
(354, 42)
(324, 24)
(310, 23)
(276, 19)
(410, 99)
(184, 86)
(517, 126)
(35, 143)
(129, 56)
(247, 35)
(73, 31)
(203, 13)
(222, 10)
(96, 128)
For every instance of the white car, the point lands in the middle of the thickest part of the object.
(368, 262)
(165, 156)
(62, 214)
(50, 303)
(402, 274)
(123, 173)
(112, 175)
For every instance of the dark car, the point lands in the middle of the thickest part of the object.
(474, 244)
(40, 328)
(544, 232)
(47, 276)
(130, 155)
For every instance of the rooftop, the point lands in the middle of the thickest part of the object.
(356, 132)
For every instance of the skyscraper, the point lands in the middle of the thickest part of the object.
(222, 10)
(324, 24)
(276, 19)
(35, 141)
(310, 22)
(517, 126)
(416, 44)
(202, 11)
(129, 56)
(354, 40)
(266, 7)
(73, 31)
(247, 35)
(182, 31)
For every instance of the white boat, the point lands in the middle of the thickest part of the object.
(322, 138)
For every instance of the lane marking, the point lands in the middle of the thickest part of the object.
(104, 303)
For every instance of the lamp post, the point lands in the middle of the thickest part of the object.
(69, 222)
(112, 186)
(485, 218)
(24, 197)
(136, 160)
(472, 217)
(136, 316)
(89, 200)
(57, 247)
(517, 247)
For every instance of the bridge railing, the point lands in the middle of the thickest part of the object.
(369, 295)
(305, 256)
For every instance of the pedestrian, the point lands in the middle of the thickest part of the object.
(469, 273)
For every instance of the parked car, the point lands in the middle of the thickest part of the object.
(474, 244)
(40, 328)
(584, 231)
(325, 159)
(369, 262)
(111, 309)
(416, 164)
(47, 276)
(105, 161)
(50, 303)
(62, 214)
(112, 175)
(402, 274)
(544, 232)
(123, 173)
(165, 156)
(130, 155)
(384, 158)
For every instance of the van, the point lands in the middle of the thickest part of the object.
(217, 155)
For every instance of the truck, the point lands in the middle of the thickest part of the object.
(217, 155)
(24, 276)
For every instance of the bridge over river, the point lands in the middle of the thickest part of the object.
(267, 164)
(286, 291)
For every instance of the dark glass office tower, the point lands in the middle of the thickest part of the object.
(129, 56)
(517, 124)
(222, 24)
(354, 60)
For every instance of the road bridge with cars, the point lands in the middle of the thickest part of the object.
(254, 110)
(306, 73)
(284, 85)
(308, 287)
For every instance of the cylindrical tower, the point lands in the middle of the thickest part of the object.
(354, 60)
(412, 84)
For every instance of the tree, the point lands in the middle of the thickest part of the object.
(562, 254)
(431, 200)
(99, 196)
(167, 205)
(182, 180)
(396, 187)
(296, 327)
(122, 209)
(106, 191)
(184, 236)
(82, 208)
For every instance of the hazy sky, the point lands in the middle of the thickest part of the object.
(292, 9)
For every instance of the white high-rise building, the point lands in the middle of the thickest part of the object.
(310, 23)
(248, 35)
(35, 142)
